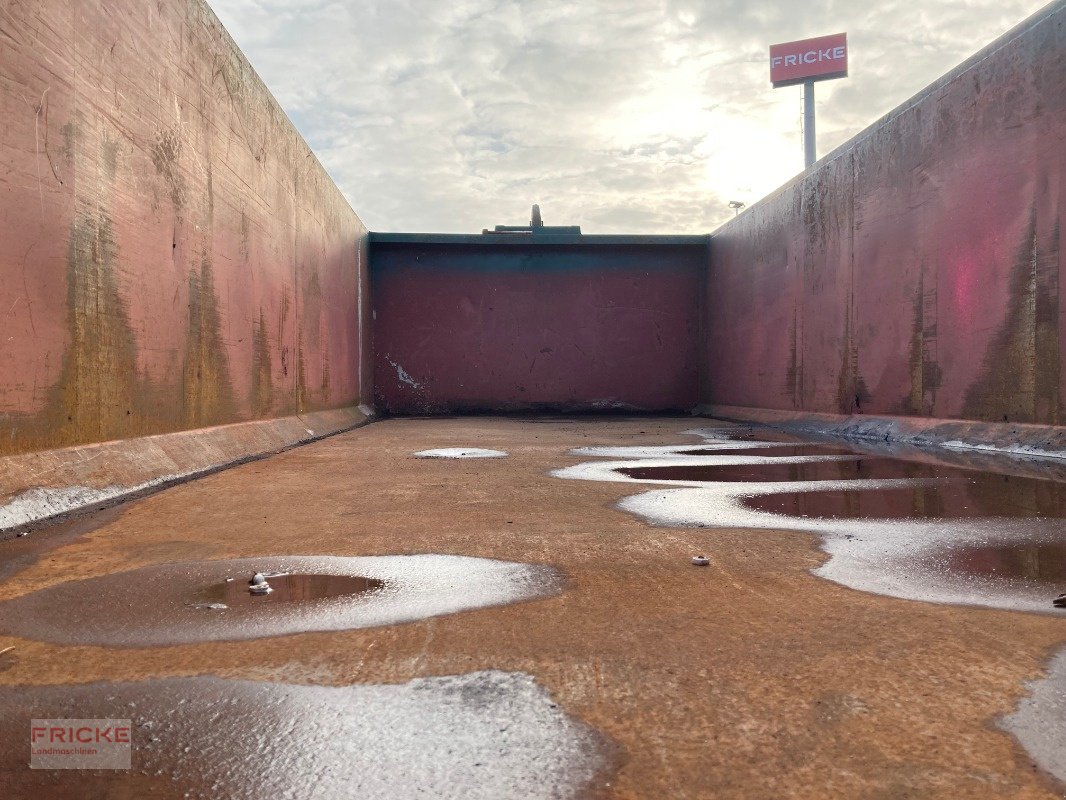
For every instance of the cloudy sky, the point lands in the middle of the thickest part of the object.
(623, 116)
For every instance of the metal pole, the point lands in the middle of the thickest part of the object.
(810, 149)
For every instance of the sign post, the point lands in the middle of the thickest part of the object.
(807, 61)
(810, 145)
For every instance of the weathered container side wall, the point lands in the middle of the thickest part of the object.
(916, 270)
(472, 325)
(173, 256)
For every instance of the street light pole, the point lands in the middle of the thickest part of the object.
(810, 149)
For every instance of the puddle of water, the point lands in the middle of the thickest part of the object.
(934, 492)
(910, 529)
(1033, 563)
(481, 735)
(774, 449)
(171, 603)
(959, 494)
(674, 451)
(671, 467)
(785, 471)
(291, 588)
(905, 558)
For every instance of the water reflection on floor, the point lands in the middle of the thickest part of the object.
(291, 588)
(943, 492)
(908, 528)
(1035, 563)
(184, 602)
(775, 449)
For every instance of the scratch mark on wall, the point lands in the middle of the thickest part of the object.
(402, 374)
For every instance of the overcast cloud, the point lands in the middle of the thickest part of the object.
(623, 116)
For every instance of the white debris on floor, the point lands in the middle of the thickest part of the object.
(461, 452)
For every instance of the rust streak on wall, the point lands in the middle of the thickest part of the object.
(1020, 369)
(262, 392)
(208, 392)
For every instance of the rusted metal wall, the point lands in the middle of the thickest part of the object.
(504, 323)
(916, 270)
(172, 255)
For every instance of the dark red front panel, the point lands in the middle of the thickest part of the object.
(485, 329)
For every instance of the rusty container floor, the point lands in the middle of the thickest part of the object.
(750, 678)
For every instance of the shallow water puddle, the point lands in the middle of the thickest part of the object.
(903, 528)
(1034, 563)
(786, 470)
(290, 588)
(194, 602)
(480, 735)
(771, 449)
(669, 451)
(944, 492)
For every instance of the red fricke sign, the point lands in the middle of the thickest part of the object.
(811, 59)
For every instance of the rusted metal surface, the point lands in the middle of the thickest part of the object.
(173, 256)
(915, 271)
(469, 323)
(749, 678)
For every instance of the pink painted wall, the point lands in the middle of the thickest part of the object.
(915, 270)
(173, 255)
(472, 323)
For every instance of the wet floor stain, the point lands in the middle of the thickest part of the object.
(141, 551)
(461, 452)
(18, 552)
(1039, 721)
(191, 602)
(484, 734)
